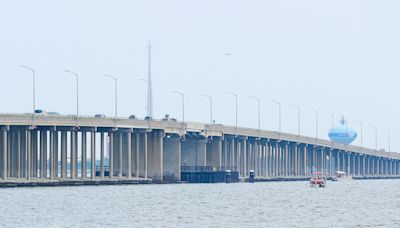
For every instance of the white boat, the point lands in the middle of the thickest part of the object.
(341, 176)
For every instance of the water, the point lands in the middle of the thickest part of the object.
(374, 203)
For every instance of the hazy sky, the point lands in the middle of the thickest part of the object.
(340, 57)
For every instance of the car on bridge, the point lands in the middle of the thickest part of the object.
(100, 116)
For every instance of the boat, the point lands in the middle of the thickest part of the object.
(318, 179)
(341, 176)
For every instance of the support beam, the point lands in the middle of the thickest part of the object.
(4, 154)
(64, 148)
(93, 155)
(102, 162)
(84, 154)
(172, 159)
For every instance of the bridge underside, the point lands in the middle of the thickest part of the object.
(81, 153)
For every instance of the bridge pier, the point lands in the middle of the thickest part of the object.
(155, 155)
(102, 160)
(172, 159)
(84, 154)
(4, 163)
(64, 146)
(214, 152)
(92, 155)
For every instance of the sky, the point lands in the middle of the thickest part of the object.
(340, 57)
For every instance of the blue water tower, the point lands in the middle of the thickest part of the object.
(342, 133)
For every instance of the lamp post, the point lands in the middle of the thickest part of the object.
(211, 106)
(116, 95)
(280, 114)
(77, 92)
(236, 108)
(183, 103)
(388, 130)
(259, 113)
(316, 124)
(298, 118)
(376, 135)
(33, 90)
(361, 133)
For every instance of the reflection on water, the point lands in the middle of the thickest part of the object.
(282, 204)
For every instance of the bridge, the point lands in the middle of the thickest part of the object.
(52, 147)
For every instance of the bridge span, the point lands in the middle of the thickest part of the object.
(69, 147)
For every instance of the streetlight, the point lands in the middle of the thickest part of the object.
(259, 113)
(183, 103)
(332, 118)
(77, 92)
(298, 117)
(376, 135)
(116, 94)
(211, 107)
(236, 107)
(388, 130)
(316, 124)
(33, 88)
(280, 114)
(361, 132)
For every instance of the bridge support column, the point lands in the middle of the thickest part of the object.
(5, 164)
(155, 155)
(286, 173)
(28, 163)
(137, 148)
(363, 165)
(64, 148)
(129, 155)
(277, 159)
(120, 155)
(172, 159)
(373, 166)
(43, 154)
(56, 155)
(111, 154)
(256, 159)
(34, 153)
(232, 154)
(378, 166)
(237, 155)
(92, 154)
(194, 152)
(244, 156)
(74, 154)
(51, 155)
(305, 159)
(214, 152)
(102, 162)
(83, 154)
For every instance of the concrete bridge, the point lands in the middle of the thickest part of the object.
(46, 147)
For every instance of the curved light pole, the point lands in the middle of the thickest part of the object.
(376, 135)
(361, 133)
(236, 108)
(259, 113)
(116, 95)
(298, 118)
(211, 106)
(33, 90)
(280, 114)
(316, 124)
(77, 92)
(388, 130)
(183, 103)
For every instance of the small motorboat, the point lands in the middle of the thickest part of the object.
(341, 176)
(318, 179)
